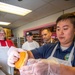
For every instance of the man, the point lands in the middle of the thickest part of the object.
(62, 52)
(46, 36)
(30, 43)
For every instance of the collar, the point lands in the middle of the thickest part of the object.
(68, 49)
(2, 42)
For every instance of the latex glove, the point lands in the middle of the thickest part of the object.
(46, 67)
(28, 69)
(13, 55)
(41, 67)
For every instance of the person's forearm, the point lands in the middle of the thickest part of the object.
(67, 70)
(30, 55)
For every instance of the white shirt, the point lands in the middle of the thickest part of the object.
(30, 45)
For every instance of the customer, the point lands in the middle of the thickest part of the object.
(63, 51)
(4, 47)
(30, 43)
(46, 36)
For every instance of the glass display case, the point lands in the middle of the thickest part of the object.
(18, 41)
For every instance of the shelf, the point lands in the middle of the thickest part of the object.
(37, 35)
(36, 38)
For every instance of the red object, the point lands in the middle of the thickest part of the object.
(9, 43)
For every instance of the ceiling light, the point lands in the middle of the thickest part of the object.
(13, 9)
(4, 23)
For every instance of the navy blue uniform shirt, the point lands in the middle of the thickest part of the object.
(46, 50)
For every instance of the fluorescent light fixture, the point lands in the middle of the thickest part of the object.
(13, 9)
(4, 23)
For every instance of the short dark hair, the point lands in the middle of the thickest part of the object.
(69, 16)
(48, 29)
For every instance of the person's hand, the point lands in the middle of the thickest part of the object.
(13, 55)
(41, 67)
(47, 67)
(28, 69)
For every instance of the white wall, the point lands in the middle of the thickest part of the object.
(18, 32)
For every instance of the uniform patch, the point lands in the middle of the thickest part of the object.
(67, 57)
